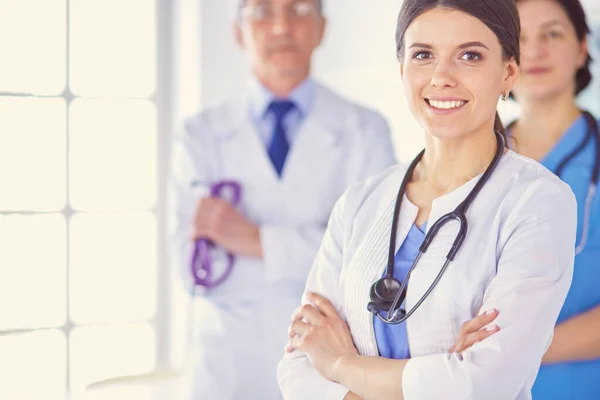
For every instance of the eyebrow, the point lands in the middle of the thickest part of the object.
(550, 23)
(462, 46)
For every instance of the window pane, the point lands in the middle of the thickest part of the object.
(32, 154)
(32, 271)
(103, 352)
(113, 48)
(33, 43)
(113, 155)
(33, 366)
(113, 267)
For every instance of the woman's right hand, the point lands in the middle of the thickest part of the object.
(473, 331)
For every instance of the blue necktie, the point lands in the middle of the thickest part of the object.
(279, 146)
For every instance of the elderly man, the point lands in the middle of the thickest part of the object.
(293, 146)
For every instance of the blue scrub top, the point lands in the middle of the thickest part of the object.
(392, 340)
(580, 380)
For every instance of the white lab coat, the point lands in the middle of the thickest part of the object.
(241, 326)
(517, 258)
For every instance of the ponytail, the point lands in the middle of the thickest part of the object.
(498, 126)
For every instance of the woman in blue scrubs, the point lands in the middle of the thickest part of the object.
(554, 69)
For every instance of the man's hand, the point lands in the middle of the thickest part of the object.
(219, 221)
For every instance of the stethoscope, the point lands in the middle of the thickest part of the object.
(388, 293)
(201, 263)
(593, 133)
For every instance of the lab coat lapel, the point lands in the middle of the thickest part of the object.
(243, 145)
(242, 156)
(313, 161)
(370, 260)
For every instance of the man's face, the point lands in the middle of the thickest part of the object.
(280, 36)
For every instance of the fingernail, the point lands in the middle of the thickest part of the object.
(490, 312)
(491, 328)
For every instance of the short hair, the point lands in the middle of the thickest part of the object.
(241, 3)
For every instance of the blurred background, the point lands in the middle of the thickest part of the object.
(90, 94)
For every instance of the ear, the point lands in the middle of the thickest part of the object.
(322, 25)
(401, 70)
(239, 36)
(511, 75)
(583, 53)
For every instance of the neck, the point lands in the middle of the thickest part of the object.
(283, 85)
(449, 163)
(552, 116)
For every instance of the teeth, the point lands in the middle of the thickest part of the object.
(446, 105)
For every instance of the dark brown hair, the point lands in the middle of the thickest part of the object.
(501, 16)
(576, 14)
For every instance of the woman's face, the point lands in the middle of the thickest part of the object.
(551, 54)
(454, 72)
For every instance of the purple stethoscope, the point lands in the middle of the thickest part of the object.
(201, 263)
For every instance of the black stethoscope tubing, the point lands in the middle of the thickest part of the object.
(378, 302)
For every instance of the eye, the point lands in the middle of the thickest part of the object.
(257, 12)
(422, 55)
(553, 34)
(302, 9)
(471, 56)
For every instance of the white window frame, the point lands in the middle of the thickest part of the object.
(163, 100)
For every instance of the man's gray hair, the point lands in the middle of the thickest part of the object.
(241, 3)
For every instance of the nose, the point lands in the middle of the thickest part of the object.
(532, 49)
(281, 22)
(442, 76)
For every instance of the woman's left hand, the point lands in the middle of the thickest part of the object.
(322, 334)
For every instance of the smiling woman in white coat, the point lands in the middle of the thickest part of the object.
(468, 228)
(293, 146)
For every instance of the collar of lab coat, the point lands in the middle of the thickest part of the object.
(325, 115)
(440, 206)
(260, 98)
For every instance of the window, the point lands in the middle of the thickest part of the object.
(80, 173)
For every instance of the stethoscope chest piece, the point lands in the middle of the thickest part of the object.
(384, 292)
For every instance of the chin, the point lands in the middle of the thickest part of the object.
(287, 64)
(286, 57)
(538, 91)
(445, 132)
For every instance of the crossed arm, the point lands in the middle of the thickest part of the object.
(322, 334)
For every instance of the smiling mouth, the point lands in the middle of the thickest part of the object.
(445, 104)
(537, 71)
